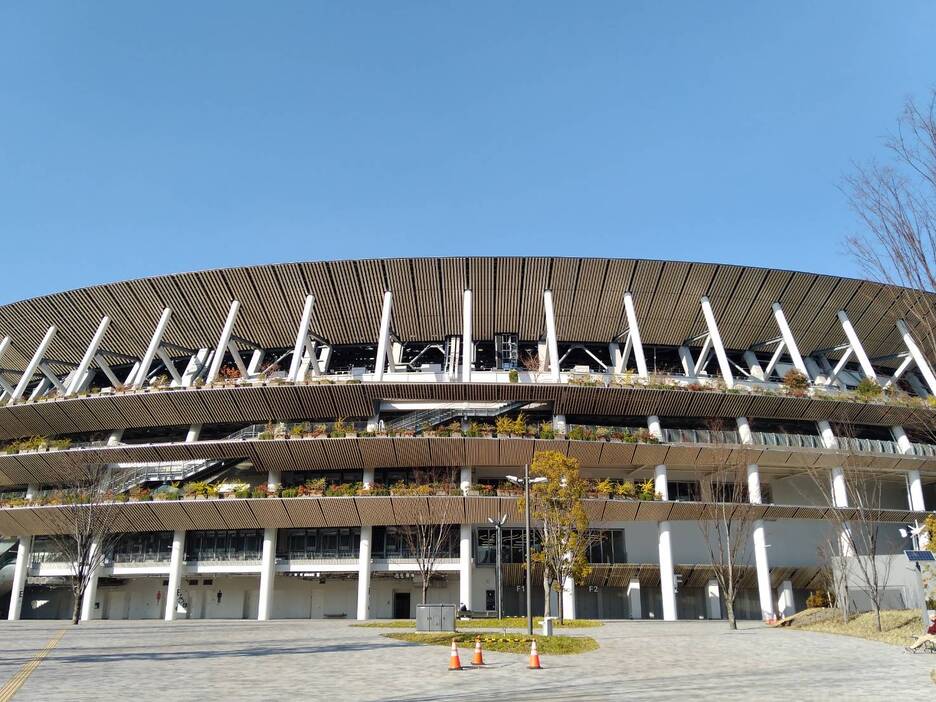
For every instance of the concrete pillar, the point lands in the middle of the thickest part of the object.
(633, 599)
(465, 479)
(368, 477)
(364, 573)
(552, 344)
(90, 594)
(20, 573)
(32, 490)
(713, 600)
(915, 499)
(667, 580)
(467, 344)
(568, 599)
(193, 433)
(115, 437)
(785, 600)
(758, 536)
(464, 566)
(559, 424)
(275, 479)
(176, 563)
(660, 485)
(383, 338)
(267, 576)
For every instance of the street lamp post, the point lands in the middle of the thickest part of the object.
(498, 523)
(526, 481)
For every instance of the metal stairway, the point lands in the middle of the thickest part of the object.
(434, 417)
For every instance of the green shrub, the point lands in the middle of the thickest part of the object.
(868, 390)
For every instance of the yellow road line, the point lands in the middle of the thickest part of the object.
(16, 682)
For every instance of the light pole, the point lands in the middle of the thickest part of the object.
(526, 481)
(498, 523)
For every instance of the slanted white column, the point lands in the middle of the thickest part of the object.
(552, 343)
(715, 337)
(467, 343)
(634, 333)
(364, 573)
(633, 599)
(383, 338)
(274, 479)
(176, 563)
(754, 366)
(713, 600)
(464, 566)
(302, 336)
(915, 500)
(223, 342)
(20, 573)
(267, 576)
(138, 376)
(90, 594)
(785, 600)
(921, 363)
(194, 431)
(788, 340)
(856, 345)
(32, 365)
(568, 599)
(78, 375)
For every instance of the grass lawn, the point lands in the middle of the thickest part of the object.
(510, 643)
(899, 625)
(505, 623)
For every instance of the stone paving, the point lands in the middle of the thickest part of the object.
(317, 660)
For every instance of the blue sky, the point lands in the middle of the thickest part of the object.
(148, 138)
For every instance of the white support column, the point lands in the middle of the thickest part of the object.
(302, 336)
(633, 599)
(634, 335)
(467, 343)
(568, 599)
(275, 479)
(5, 387)
(255, 364)
(788, 339)
(754, 366)
(921, 363)
(163, 356)
(193, 433)
(465, 479)
(667, 573)
(785, 602)
(20, 573)
(552, 343)
(383, 338)
(715, 336)
(223, 341)
(90, 352)
(176, 563)
(32, 365)
(364, 573)
(88, 601)
(713, 600)
(915, 500)
(267, 576)
(367, 478)
(138, 376)
(464, 566)
(856, 346)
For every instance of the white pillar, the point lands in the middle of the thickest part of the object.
(467, 344)
(275, 479)
(267, 576)
(20, 573)
(713, 600)
(464, 566)
(32, 365)
(90, 594)
(659, 482)
(223, 341)
(79, 374)
(364, 572)
(667, 574)
(922, 364)
(788, 340)
(552, 344)
(855, 343)
(634, 333)
(633, 599)
(302, 336)
(715, 336)
(764, 591)
(568, 599)
(384, 336)
(176, 563)
(785, 601)
(138, 376)
(915, 499)
(368, 477)
(465, 479)
(193, 433)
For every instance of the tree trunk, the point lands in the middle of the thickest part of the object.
(729, 610)
(877, 616)
(547, 591)
(425, 589)
(76, 608)
(561, 612)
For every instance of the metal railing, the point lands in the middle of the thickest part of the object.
(433, 417)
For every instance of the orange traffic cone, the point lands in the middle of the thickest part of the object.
(454, 661)
(534, 658)
(478, 658)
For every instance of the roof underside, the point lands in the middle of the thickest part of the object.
(427, 304)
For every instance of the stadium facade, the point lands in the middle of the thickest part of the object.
(358, 379)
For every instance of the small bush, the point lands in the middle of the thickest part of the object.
(796, 381)
(868, 390)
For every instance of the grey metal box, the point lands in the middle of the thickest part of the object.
(435, 617)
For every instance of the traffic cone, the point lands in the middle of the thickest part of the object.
(534, 658)
(478, 658)
(454, 661)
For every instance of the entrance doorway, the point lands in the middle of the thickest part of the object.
(401, 605)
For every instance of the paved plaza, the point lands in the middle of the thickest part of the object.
(319, 660)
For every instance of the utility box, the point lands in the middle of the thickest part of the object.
(435, 617)
(548, 626)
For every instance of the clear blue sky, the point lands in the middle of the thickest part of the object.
(140, 138)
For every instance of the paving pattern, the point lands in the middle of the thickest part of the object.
(318, 660)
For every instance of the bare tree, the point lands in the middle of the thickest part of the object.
(532, 364)
(727, 524)
(833, 565)
(87, 519)
(425, 540)
(857, 526)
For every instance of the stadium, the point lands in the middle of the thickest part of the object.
(271, 433)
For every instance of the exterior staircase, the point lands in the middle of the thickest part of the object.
(434, 417)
